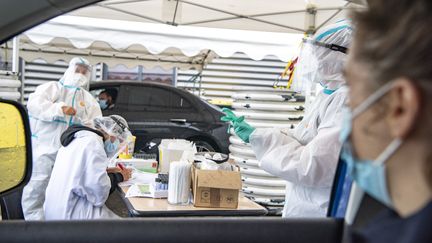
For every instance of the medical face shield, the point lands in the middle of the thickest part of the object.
(78, 74)
(115, 126)
(83, 69)
(321, 63)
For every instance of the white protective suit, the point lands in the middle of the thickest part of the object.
(48, 122)
(79, 184)
(307, 157)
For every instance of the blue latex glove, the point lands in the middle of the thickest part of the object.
(241, 128)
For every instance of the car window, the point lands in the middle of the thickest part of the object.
(95, 92)
(148, 99)
(179, 102)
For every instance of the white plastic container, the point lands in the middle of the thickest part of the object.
(179, 183)
(172, 150)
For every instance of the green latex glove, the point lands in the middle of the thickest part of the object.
(241, 128)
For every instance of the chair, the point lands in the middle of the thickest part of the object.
(340, 192)
(11, 206)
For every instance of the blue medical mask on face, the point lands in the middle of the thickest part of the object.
(370, 175)
(111, 147)
(103, 104)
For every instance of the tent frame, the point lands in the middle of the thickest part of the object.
(310, 11)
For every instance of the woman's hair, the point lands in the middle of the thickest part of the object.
(393, 39)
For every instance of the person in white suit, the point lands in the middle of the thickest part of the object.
(307, 156)
(81, 181)
(52, 108)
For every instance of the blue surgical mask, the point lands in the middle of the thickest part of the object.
(103, 104)
(111, 147)
(370, 175)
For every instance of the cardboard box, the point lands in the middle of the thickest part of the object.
(216, 188)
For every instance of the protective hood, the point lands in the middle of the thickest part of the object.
(73, 77)
(322, 58)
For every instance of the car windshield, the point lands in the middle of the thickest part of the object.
(168, 137)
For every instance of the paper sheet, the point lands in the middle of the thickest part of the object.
(139, 177)
(145, 190)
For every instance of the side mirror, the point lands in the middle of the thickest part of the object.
(15, 147)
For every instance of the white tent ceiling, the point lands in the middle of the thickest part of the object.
(181, 33)
(135, 43)
(260, 15)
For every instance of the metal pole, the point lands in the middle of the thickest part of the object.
(200, 83)
(239, 15)
(15, 54)
(22, 77)
(311, 11)
(175, 14)
(140, 73)
(175, 72)
(332, 16)
(133, 14)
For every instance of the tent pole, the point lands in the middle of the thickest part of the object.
(248, 16)
(332, 16)
(123, 2)
(15, 54)
(311, 11)
(133, 14)
(244, 17)
(16, 64)
(239, 15)
(22, 77)
(72, 53)
(175, 14)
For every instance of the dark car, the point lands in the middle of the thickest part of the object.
(156, 111)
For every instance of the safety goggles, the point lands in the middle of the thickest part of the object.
(332, 47)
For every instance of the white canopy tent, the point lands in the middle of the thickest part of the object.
(131, 32)
(295, 16)
(120, 31)
(134, 43)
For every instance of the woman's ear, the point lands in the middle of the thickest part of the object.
(404, 104)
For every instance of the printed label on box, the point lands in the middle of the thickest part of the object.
(205, 195)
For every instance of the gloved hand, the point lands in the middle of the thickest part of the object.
(68, 110)
(241, 128)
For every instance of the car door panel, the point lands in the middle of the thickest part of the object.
(323, 230)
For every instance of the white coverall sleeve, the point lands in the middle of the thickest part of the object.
(95, 180)
(311, 164)
(43, 102)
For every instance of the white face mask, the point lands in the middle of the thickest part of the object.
(79, 80)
